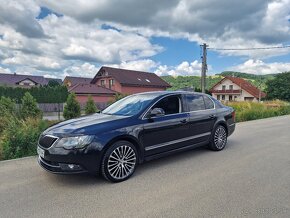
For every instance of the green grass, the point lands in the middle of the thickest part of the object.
(246, 111)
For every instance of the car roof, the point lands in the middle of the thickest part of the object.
(163, 93)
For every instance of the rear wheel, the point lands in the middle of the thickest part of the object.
(120, 161)
(218, 139)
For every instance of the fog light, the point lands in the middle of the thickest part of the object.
(70, 167)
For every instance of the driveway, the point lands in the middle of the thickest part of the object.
(250, 178)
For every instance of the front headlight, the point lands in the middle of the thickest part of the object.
(75, 142)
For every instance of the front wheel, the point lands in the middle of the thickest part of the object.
(218, 139)
(119, 162)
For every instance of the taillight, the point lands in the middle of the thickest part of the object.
(234, 116)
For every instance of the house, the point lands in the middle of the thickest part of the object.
(236, 89)
(99, 94)
(25, 81)
(129, 81)
(73, 80)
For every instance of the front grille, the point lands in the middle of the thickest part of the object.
(46, 141)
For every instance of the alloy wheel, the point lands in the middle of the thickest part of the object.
(121, 162)
(220, 137)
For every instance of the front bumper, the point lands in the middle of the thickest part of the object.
(62, 161)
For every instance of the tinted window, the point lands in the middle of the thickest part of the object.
(170, 105)
(208, 103)
(195, 102)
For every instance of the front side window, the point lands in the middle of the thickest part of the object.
(170, 105)
(208, 103)
(224, 87)
(195, 102)
(111, 81)
(103, 82)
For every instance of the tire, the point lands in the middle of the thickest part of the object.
(218, 139)
(119, 161)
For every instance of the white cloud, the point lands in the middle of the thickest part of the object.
(146, 65)
(5, 70)
(260, 67)
(183, 69)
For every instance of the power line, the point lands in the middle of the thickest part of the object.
(246, 49)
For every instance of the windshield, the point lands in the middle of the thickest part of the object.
(130, 105)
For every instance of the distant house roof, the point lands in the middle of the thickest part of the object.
(247, 86)
(77, 80)
(131, 77)
(15, 79)
(90, 89)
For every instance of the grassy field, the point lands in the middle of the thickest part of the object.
(253, 110)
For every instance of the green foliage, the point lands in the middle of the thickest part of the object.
(72, 109)
(279, 88)
(180, 82)
(90, 107)
(6, 106)
(53, 83)
(42, 94)
(252, 110)
(20, 137)
(29, 107)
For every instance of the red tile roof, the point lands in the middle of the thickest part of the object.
(76, 80)
(90, 89)
(132, 77)
(15, 79)
(247, 86)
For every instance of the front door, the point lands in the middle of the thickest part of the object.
(166, 132)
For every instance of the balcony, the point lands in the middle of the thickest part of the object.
(227, 91)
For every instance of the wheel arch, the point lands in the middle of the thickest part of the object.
(222, 123)
(130, 139)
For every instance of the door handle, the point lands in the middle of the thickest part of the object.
(211, 116)
(183, 121)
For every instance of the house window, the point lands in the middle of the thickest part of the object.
(231, 87)
(223, 97)
(218, 97)
(111, 82)
(224, 87)
(103, 82)
(230, 97)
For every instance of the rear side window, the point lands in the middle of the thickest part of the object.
(195, 102)
(208, 102)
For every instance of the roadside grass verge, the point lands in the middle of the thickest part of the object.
(246, 111)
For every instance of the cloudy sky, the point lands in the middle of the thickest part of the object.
(59, 38)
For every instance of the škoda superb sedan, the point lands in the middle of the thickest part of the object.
(133, 130)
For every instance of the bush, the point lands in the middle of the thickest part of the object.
(29, 107)
(90, 107)
(20, 137)
(72, 109)
(252, 110)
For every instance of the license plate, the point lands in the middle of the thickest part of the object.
(40, 152)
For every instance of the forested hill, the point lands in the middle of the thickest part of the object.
(180, 82)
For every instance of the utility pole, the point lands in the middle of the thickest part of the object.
(204, 67)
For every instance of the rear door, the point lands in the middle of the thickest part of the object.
(164, 133)
(202, 116)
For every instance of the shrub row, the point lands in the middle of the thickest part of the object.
(246, 111)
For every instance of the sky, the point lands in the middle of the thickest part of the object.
(60, 38)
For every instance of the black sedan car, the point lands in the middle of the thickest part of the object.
(135, 129)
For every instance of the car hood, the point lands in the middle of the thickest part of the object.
(91, 124)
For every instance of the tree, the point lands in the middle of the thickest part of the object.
(279, 87)
(90, 107)
(6, 106)
(29, 107)
(72, 109)
(53, 83)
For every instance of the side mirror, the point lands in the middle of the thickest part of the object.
(157, 112)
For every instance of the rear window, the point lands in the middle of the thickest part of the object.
(208, 102)
(195, 102)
